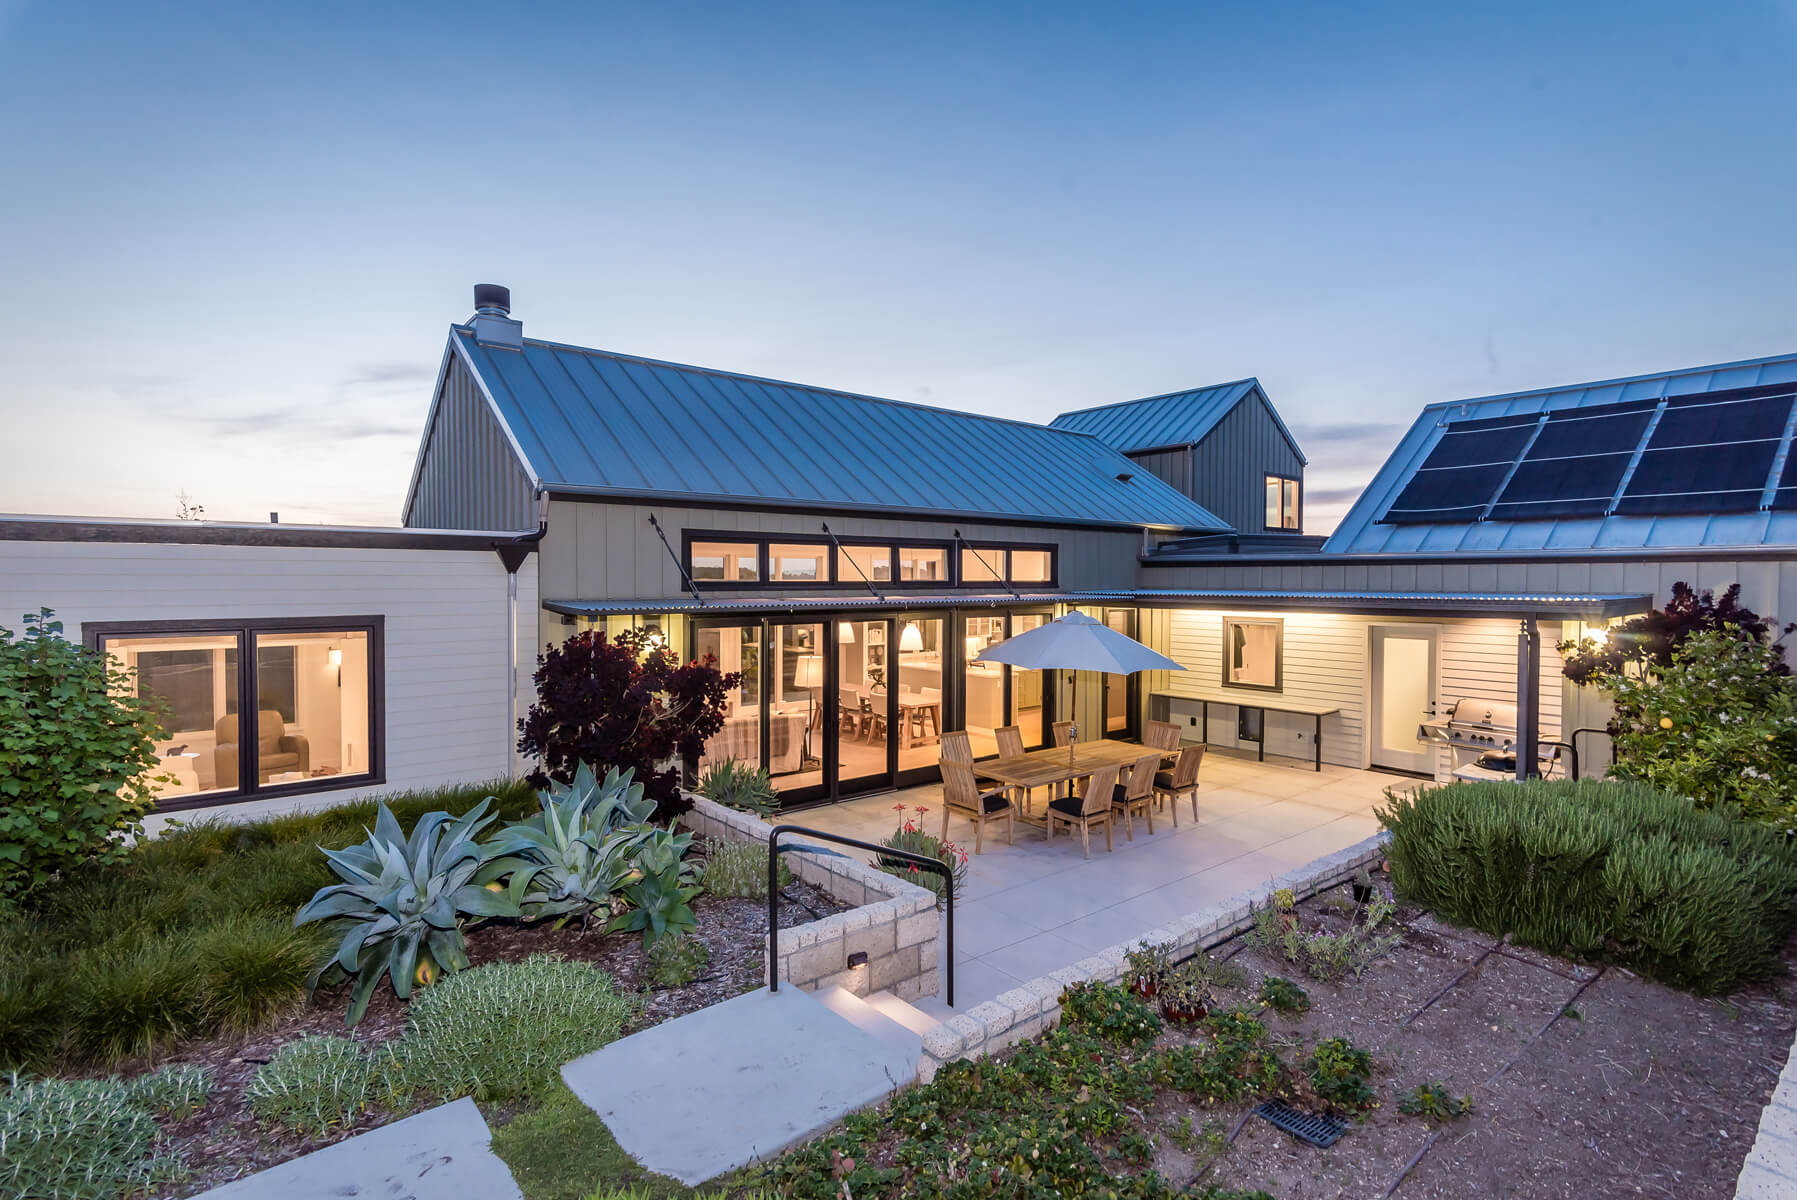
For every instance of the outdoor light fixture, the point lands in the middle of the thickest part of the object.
(911, 640)
(1599, 634)
(857, 959)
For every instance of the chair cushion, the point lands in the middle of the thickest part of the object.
(1163, 779)
(1119, 794)
(995, 802)
(1071, 805)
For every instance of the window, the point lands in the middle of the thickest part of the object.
(920, 564)
(1254, 653)
(1282, 503)
(798, 564)
(856, 563)
(1032, 566)
(982, 565)
(725, 562)
(315, 723)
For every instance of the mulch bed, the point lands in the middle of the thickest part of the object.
(1586, 1083)
(223, 1142)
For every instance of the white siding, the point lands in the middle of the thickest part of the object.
(1326, 663)
(448, 708)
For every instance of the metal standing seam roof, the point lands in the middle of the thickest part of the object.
(1174, 419)
(1360, 533)
(593, 422)
(1518, 604)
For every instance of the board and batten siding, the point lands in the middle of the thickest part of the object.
(1229, 467)
(446, 623)
(469, 477)
(1327, 662)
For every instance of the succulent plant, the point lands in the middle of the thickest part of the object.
(401, 903)
(739, 785)
(569, 858)
(660, 890)
(1186, 989)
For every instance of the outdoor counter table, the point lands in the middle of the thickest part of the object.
(1316, 712)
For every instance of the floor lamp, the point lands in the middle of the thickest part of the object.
(808, 673)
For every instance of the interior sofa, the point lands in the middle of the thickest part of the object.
(278, 750)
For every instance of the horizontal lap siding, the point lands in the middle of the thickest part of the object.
(446, 625)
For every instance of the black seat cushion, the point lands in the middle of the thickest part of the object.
(1070, 805)
(995, 802)
(1119, 794)
(1163, 779)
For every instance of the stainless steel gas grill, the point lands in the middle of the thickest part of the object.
(1481, 735)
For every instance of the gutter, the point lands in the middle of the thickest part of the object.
(512, 553)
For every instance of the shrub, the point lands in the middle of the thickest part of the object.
(1646, 643)
(569, 858)
(1282, 995)
(78, 1139)
(627, 703)
(1109, 1012)
(174, 1092)
(738, 869)
(740, 786)
(910, 837)
(676, 961)
(135, 1001)
(312, 1085)
(1434, 1102)
(1339, 1072)
(502, 1031)
(661, 892)
(1330, 957)
(400, 906)
(1717, 724)
(77, 759)
(253, 969)
(1614, 872)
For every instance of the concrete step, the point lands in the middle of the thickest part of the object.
(889, 1020)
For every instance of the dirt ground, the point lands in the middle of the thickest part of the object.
(223, 1142)
(1586, 1083)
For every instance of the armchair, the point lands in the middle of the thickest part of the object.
(277, 750)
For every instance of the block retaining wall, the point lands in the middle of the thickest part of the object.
(1035, 1006)
(894, 922)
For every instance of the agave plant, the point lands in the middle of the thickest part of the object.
(660, 889)
(401, 903)
(569, 859)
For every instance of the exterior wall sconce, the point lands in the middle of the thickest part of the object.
(857, 960)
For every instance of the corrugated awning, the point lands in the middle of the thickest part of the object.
(1486, 604)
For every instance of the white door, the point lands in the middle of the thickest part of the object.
(1403, 696)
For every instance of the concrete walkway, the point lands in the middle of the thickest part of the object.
(738, 1082)
(443, 1153)
(1770, 1172)
(1035, 907)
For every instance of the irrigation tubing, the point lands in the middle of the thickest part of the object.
(1454, 982)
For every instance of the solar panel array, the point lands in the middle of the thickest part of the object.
(1712, 452)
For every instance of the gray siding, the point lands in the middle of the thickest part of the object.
(469, 478)
(1171, 467)
(1230, 465)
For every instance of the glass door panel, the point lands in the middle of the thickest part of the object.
(737, 651)
(1029, 689)
(919, 700)
(1118, 689)
(984, 684)
(863, 711)
(796, 708)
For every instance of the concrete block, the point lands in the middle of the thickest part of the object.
(818, 960)
(855, 918)
(878, 939)
(943, 1042)
(1067, 976)
(909, 990)
(972, 1034)
(929, 982)
(884, 973)
(918, 927)
(848, 981)
(927, 1067)
(993, 1015)
(1022, 1002)
(1047, 991)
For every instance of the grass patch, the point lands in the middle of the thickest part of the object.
(559, 1149)
(190, 936)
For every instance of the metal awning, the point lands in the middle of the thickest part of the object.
(1546, 605)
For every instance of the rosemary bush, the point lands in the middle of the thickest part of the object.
(78, 1139)
(311, 1085)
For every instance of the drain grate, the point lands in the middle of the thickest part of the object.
(1317, 1130)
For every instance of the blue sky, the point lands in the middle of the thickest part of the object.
(232, 236)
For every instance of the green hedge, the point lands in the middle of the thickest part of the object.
(1604, 871)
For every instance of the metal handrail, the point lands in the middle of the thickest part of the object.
(1574, 736)
(773, 894)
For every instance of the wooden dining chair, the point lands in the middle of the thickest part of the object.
(1010, 741)
(1063, 732)
(851, 711)
(956, 747)
(1138, 793)
(961, 791)
(1169, 786)
(1089, 808)
(1161, 735)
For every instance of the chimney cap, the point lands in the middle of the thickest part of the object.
(493, 295)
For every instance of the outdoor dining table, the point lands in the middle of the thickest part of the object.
(1054, 766)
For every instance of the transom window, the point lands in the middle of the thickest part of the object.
(767, 562)
(725, 562)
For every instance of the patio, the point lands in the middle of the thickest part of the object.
(1037, 906)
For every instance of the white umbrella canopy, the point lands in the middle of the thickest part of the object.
(1077, 642)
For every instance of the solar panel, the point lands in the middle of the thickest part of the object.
(1463, 471)
(1786, 496)
(1574, 465)
(1710, 453)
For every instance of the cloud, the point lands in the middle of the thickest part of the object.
(1337, 495)
(307, 424)
(385, 375)
(133, 387)
(1347, 432)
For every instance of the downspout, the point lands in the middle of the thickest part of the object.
(512, 553)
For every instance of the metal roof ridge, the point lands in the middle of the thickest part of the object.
(720, 372)
(1205, 387)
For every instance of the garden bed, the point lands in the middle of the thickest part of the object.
(1584, 1083)
(223, 1141)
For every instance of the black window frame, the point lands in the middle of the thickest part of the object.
(1297, 510)
(95, 634)
(839, 578)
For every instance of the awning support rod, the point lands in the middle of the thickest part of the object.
(962, 543)
(678, 565)
(841, 557)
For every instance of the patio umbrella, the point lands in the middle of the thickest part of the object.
(1077, 642)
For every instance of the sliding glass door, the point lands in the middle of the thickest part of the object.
(865, 711)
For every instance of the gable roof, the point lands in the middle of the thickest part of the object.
(1363, 532)
(1171, 420)
(592, 422)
